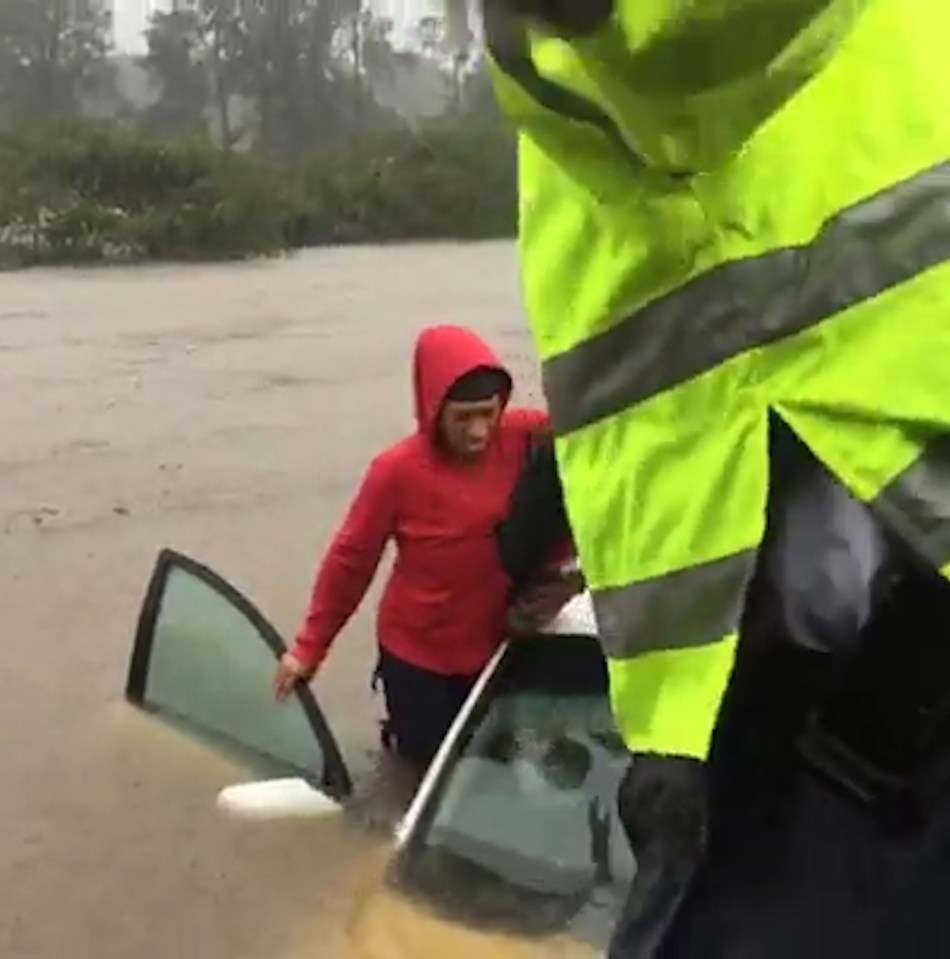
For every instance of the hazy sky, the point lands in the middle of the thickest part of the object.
(131, 16)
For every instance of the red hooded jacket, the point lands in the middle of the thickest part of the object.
(444, 606)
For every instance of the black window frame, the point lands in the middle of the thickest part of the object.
(335, 781)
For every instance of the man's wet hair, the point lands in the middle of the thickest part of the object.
(478, 385)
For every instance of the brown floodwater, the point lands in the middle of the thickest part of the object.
(226, 411)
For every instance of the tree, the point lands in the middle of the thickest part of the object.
(288, 61)
(363, 52)
(193, 54)
(177, 61)
(377, 60)
(476, 95)
(53, 58)
(302, 65)
(223, 28)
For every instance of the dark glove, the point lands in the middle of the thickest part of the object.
(663, 806)
(536, 520)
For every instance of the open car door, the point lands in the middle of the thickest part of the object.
(203, 661)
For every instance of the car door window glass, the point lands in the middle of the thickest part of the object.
(204, 659)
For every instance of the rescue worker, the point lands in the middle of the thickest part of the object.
(736, 213)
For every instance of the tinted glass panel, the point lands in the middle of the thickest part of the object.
(523, 833)
(204, 659)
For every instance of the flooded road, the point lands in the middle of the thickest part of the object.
(225, 411)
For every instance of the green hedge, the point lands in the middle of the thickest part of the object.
(93, 192)
(443, 184)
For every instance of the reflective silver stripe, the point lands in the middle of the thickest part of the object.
(916, 504)
(689, 607)
(738, 306)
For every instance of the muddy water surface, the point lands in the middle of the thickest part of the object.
(226, 411)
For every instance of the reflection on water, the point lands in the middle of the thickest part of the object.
(336, 866)
(247, 887)
(285, 890)
(290, 890)
(387, 925)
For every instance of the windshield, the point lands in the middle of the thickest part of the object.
(522, 832)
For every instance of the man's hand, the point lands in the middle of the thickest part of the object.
(538, 605)
(290, 671)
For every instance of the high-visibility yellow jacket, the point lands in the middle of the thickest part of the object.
(730, 208)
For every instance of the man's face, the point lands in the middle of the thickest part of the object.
(468, 427)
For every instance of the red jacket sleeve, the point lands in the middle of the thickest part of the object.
(350, 563)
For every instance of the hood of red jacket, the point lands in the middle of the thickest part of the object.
(443, 355)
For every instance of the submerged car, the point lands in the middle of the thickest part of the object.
(512, 830)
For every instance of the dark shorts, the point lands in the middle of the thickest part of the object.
(421, 705)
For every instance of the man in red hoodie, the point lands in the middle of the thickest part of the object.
(439, 494)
